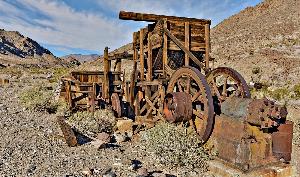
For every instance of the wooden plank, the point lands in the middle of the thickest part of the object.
(93, 98)
(105, 71)
(207, 44)
(67, 131)
(135, 56)
(68, 94)
(165, 47)
(180, 45)
(153, 17)
(142, 65)
(187, 41)
(195, 48)
(144, 83)
(149, 59)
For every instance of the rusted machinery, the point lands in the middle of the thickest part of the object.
(252, 133)
(172, 80)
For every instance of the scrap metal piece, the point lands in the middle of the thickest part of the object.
(282, 141)
(178, 107)
(68, 133)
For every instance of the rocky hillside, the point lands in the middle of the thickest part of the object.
(81, 58)
(18, 49)
(264, 38)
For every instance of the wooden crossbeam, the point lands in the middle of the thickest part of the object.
(181, 46)
(154, 18)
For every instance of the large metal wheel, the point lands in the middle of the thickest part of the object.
(191, 81)
(226, 82)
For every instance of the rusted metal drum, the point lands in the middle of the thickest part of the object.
(178, 107)
(282, 141)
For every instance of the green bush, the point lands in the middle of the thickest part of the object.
(13, 71)
(94, 122)
(296, 90)
(39, 98)
(279, 94)
(58, 73)
(173, 146)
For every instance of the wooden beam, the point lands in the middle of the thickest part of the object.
(207, 45)
(165, 48)
(149, 59)
(187, 41)
(105, 71)
(135, 56)
(142, 65)
(153, 17)
(180, 45)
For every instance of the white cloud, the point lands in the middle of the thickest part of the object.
(54, 23)
(64, 27)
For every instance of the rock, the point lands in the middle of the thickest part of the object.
(87, 172)
(109, 173)
(105, 137)
(135, 164)
(142, 172)
(120, 137)
(125, 125)
(98, 144)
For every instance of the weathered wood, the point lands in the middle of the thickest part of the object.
(180, 45)
(135, 56)
(149, 59)
(187, 41)
(153, 17)
(207, 44)
(93, 98)
(165, 47)
(200, 47)
(68, 94)
(106, 68)
(67, 131)
(142, 65)
(144, 83)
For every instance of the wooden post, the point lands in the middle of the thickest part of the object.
(135, 56)
(207, 45)
(93, 97)
(105, 72)
(142, 65)
(149, 59)
(165, 48)
(69, 94)
(187, 41)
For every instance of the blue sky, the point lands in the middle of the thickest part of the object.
(87, 26)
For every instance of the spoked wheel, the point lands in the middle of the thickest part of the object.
(226, 82)
(192, 84)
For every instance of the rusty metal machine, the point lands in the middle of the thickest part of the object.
(251, 133)
(172, 79)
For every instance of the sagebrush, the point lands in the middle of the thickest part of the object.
(172, 145)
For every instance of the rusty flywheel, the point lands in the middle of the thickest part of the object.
(224, 83)
(191, 81)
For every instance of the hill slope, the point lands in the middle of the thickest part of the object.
(265, 38)
(81, 58)
(18, 49)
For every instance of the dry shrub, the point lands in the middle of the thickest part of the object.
(173, 146)
(88, 122)
(39, 98)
